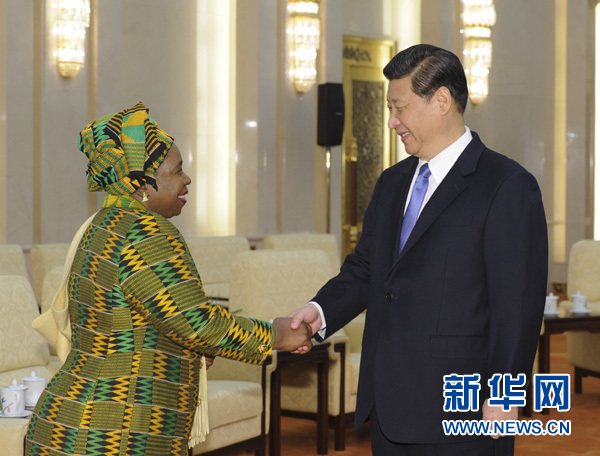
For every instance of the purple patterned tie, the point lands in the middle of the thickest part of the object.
(414, 205)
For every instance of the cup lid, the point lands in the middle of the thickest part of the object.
(15, 386)
(33, 378)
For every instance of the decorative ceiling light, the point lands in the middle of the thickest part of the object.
(304, 31)
(479, 16)
(70, 20)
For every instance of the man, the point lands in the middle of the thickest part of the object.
(451, 268)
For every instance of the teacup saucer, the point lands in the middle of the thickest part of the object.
(551, 313)
(584, 311)
(26, 414)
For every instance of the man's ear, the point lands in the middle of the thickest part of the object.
(443, 100)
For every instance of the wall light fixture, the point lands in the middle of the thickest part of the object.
(478, 16)
(303, 31)
(70, 19)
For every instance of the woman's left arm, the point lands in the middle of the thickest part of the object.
(160, 282)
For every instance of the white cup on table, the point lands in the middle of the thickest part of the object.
(579, 303)
(551, 304)
(35, 386)
(13, 399)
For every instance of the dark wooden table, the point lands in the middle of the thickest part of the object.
(566, 321)
(318, 356)
(559, 324)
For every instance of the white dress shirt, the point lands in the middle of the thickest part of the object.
(439, 166)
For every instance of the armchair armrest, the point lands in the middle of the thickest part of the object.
(228, 369)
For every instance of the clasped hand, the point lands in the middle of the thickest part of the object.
(287, 338)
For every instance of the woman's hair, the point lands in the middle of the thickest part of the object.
(430, 68)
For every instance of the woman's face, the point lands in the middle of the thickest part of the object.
(172, 185)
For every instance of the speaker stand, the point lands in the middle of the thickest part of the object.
(328, 165)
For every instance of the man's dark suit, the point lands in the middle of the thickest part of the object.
(465, 295)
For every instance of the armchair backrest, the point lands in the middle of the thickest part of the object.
(271, 283)
(20, 345)
(584, 269)
(213, 256)
(307, 240)
(12, 260)
(45, 257)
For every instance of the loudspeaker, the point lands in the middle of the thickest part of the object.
(330, 120)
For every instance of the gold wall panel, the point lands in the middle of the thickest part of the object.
(368, 131)
(368, 145)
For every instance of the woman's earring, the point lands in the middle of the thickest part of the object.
(144, 197)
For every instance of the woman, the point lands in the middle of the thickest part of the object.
(140, 319)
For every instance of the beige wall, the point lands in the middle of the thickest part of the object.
(138, 50)
(3, 155)
(539, 111)
(169, 54)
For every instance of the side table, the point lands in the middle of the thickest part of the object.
(320, 357)
(565, 321)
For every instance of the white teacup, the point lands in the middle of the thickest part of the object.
(35, 387)
(579, 303)
(551, 304)
(13, 399)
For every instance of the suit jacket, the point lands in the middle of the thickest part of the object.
(465, 295)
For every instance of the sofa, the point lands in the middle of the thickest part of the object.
(22, 350)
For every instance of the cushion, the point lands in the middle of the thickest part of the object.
(21, 346)
(230, 401)
(12, 434)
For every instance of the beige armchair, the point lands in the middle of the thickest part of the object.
(213, 256)
(354, 330)
(238, 407)
(270, 283)
(44, 258)
(12, 260)
(583, 348)
(22, 350)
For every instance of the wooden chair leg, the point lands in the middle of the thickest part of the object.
(340, 420)
(340, 430)
(578, 379)
(528, 409)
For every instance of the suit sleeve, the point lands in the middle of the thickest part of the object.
(346, 295)
(516, 262)
(160, 282)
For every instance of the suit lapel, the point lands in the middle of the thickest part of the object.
(453, 185)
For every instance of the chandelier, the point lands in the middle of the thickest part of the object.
(478, 16)
(303, 31)
(71, 18)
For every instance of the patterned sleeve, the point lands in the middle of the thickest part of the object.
(159, 280)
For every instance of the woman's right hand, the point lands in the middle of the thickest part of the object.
(288, 339)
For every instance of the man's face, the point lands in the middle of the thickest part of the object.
(417, 122)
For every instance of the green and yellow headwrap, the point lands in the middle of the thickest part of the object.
(124, 151)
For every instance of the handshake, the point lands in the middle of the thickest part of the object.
(294, 332)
